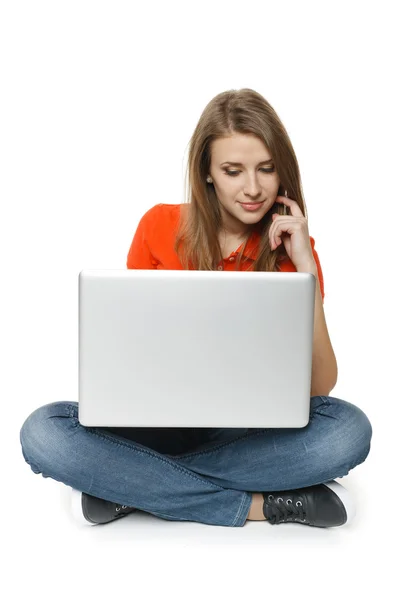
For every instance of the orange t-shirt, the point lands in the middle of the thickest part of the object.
(152, 246)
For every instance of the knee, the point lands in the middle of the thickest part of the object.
(38, 434)
(353, 433)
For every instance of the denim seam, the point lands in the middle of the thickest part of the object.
(71, 412)
(325, 399)
(323, 413)
(152, 454)
(240, 510)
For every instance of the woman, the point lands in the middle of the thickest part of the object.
(246, 211)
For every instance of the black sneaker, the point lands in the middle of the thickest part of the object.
(324, 505)
(94, 511)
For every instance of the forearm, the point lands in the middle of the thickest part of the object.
(324, 367)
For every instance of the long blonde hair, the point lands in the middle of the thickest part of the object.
(234, 111)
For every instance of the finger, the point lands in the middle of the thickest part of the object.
(280, 225)
(291, 204)
(275, 233)
(271, 235)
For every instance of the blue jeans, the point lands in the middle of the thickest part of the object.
(194, 474)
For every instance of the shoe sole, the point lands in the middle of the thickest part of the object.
(345, 497)
(76, 508)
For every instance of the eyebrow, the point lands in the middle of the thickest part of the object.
(238, 164)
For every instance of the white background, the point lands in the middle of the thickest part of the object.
(98, 103)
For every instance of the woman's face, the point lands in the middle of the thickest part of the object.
(253, 180)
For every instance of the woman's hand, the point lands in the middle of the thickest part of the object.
(292, 230)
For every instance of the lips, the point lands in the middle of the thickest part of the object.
(252, 203)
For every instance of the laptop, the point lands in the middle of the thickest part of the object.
(169, 348)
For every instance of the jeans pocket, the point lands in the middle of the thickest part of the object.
(316, 402)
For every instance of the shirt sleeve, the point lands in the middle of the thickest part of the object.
(139, 255)
(319, 269)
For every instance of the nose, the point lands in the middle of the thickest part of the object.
(252, 187)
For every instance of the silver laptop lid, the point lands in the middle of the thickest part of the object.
(166, 348)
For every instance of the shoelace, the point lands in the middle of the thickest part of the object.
(279, 511)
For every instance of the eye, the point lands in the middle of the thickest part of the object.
(234, 173)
